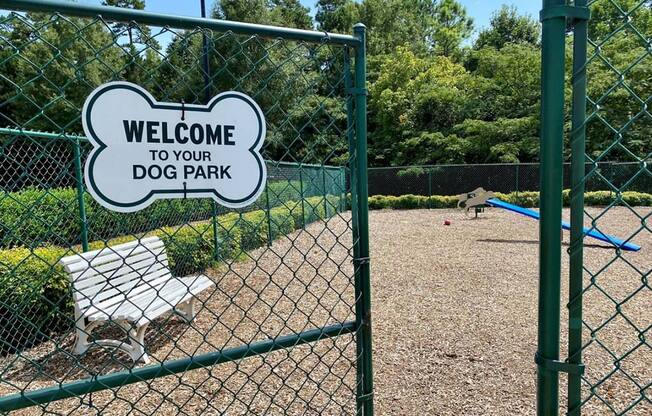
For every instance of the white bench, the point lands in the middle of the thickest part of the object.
(130, 284)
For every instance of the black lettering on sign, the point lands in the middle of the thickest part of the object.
(139, 171)
(133, 130)
(164, 130)
(196, 133)
(152, 130)
(157, 132)
(177, 133)
(170, 171)
(228, 133)
(213, 136)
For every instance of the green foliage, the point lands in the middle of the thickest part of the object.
(620, 80)
(422, 26)
(35, 298)
(321, 118)
(524, 199)
(33, 217)
(512, 80)
(507, 26)
(451, 26)
(429, 110)
(276, 12)
(413, 171)
(336, 15)
(431, 100)
(33, 290)
(506, 140)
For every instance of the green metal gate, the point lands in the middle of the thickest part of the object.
(609, 359)
(286, 326)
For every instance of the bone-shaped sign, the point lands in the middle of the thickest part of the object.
(144, 150)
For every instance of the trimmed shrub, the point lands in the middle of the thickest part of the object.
(35, 217)
(525, 199)
(34, 296)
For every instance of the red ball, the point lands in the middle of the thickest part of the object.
(447, 222)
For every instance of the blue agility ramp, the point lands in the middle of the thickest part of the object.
(566, 226)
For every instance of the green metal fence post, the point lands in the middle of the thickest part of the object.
(576, 250)
(429, 187)
(303, 208)
(350, 128)
(343, 184)
(551, 147)
(517, 179)
(362, 261)
(207, 97)
(80, 194)
(323, 179)
(269, 217)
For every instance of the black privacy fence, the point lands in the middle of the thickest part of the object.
(505, 178)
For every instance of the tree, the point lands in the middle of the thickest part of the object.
(394, 23)
(272, 12)
(608, 17)
(120, 27)
(515, 76)
(414, 95)
(291, 13)
(337, 16)
(59, 65)
(450, 26)
(507, 26)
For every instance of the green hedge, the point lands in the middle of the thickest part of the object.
(35, 298)
(35, 217)
(525, 199)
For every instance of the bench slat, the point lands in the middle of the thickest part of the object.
(116, 253)
(88, 272)
(115, 277)
(133, 287)
(106, 250)
(152, 303)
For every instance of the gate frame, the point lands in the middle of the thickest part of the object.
(555, 16)
(357, 138)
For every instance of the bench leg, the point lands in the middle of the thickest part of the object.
(187, 310)
(81, 341)
(82, 333)
(135, 348)
(137, 344)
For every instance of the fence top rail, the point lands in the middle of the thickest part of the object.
(469, 165)
(178, 22)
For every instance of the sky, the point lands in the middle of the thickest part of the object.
(479, 10)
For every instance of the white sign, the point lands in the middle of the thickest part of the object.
(144, 150)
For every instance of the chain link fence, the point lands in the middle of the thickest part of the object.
(505, 178)
(610, 297)
(184, 307)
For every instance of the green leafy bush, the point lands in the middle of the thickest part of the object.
(34, 217)
(34, 296)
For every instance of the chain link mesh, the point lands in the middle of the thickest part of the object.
(617, 296)
(280, 271)
(506, 178)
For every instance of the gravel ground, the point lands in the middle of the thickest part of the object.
(455, 312)
(454, 325)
